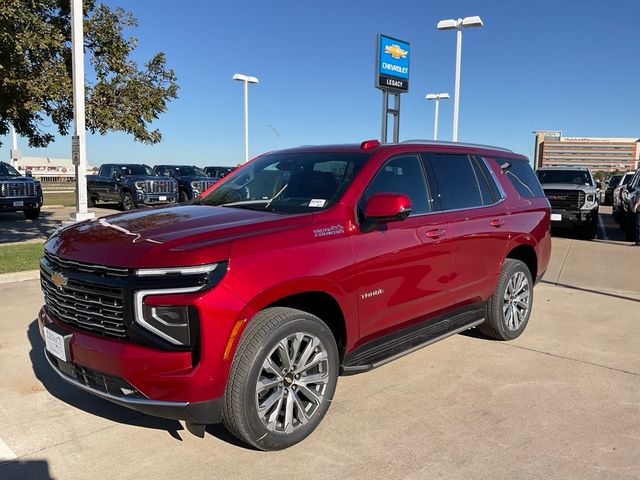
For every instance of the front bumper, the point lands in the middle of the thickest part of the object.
(572, 218)
(144, 198)
(156, 382)
(17, 204)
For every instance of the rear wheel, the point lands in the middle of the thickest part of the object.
(31, 213)
(509, 308)
(282, 379)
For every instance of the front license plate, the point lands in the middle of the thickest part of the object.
(54, 342)
(162, 198)
(19, 203)
(556, 217)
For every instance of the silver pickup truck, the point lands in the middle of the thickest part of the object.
(574, 198)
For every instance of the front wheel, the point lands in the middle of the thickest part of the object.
(184, 196)
(127, 202)
(32, 213)
(282, 379)
(509, 308)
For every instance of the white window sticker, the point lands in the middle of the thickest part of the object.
(317, 202)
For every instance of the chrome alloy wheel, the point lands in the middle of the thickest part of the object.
(517, 297)
(292, 383)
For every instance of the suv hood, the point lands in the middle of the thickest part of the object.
(568, 186)
(165, 237)
(142, 178)
(8, 178)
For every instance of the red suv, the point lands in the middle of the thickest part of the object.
(247, 304)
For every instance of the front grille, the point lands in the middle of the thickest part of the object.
(101, 270)
(85, 305)
(563, 199)
(159, 186)
(203, 185)
(18, 189)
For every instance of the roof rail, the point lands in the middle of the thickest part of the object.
(456, 144)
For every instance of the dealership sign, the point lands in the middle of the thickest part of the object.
(392, 68)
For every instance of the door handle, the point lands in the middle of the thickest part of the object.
(438, 232)
(497, 222)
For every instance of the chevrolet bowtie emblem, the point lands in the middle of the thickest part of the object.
(395, 51)
(59, 280)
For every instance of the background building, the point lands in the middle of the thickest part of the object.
(595, 153)
(48, 169)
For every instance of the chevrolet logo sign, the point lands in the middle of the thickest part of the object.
(395, 51)
(59, 280)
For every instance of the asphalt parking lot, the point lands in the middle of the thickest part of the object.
(562, 401)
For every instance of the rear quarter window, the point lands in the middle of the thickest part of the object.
(521, 176)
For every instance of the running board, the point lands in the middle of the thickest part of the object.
(400, 343)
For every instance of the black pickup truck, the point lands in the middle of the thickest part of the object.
(131, 185)
(192, 181)
(19, 193)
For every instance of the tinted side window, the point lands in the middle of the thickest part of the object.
(522, 178)
(488, 189)
(402, 174)
(456, 180)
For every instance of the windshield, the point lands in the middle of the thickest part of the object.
(576, 177)
(289, 182)
(7, 170)
(137, 170)
(190, 172)
(614, 181)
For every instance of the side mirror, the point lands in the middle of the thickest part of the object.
(117, 176)
(386, 207)
(28, 174)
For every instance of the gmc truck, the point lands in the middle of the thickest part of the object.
(574, 198)
(192, 181)
(131, 185)
(18, 193)
(246, 305)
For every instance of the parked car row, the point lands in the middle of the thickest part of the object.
(133, 185)
(18, 193)
(623, 197)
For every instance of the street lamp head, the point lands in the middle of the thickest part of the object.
(475, 21)
(453, 24)
(437, 96)
(450, 24)
(245, 78)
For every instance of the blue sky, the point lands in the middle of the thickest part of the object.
(566, 65)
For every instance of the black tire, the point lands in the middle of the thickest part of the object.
(261, 340)
(184, 196)
(127, 202)
(496, 324)
(31, 213)
(590, 230)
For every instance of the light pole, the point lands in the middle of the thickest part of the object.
(437, 97)
(78, 143)
(247, 80)
(277, 134)
(14, 153)
(459, 24)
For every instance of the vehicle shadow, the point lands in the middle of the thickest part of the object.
(16, 228)
(25, 470)
(85, 401)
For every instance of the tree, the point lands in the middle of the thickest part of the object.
(35, 72)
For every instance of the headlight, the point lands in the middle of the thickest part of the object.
(591, 198)
(140, 185)
(174, 323)
(195, 186)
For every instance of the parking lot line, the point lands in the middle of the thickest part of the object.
(6, 453)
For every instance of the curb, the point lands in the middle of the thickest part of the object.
(19, 276)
